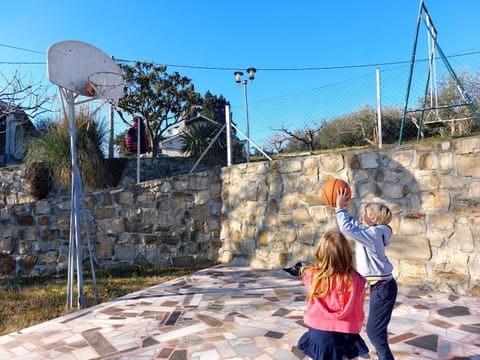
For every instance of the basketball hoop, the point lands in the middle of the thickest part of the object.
(105, 85)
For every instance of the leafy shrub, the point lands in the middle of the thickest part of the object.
(52, 146)
(39, 180)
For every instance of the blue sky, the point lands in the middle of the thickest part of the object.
(224, 36)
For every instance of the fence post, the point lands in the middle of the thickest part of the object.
(379, 109)
(229, 135)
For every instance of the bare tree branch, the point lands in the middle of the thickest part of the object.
(22, 94)
(277, 140)
(307, 138)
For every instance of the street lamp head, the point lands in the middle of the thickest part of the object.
(238, 76)
(251, 73)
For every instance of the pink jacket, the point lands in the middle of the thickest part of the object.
(340, 311)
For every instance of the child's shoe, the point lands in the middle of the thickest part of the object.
(294, 271)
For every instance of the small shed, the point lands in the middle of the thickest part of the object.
(172, 145)
(15, 127)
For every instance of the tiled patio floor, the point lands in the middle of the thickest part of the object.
(236, 313)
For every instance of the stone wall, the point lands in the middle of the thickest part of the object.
(266, 214)
(175, 221)
(272, 212)
(13, 186)
(156, 168)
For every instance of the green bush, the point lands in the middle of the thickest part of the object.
(52, 147)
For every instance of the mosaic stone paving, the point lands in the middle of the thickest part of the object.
(236, 313)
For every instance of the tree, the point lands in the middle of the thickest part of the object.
(198, 137)
(275, 142)
(391, 122)
(21, 99)
(359, 128)
(213, 107)
(121, 143)
(21, 93)
(161, 99)
(301, 139)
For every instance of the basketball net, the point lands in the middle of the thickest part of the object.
(105, 85)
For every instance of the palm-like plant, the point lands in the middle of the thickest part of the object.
(197, 137)
(52, 147)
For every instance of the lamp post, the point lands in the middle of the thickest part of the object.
(238, 79)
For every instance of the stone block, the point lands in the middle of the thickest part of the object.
(332, 162)
(126, 252)
(225, 257)
(118, 225)
(320, 215)
(435, 201)
(462, 239)
(48, 257)
(467, 146)
(442, 221)
(104, 247)
(436, 237)
(466, 206)
(311, 200)
(49, 234)
(310, 166)
(28, 261)
(183, 261)
(410, 227)
(307, 234)
(263, 238)
(427, 180)
(125, 197)
(43, 207)
(394, 191)
(7, 264)
(201, 197)
(301, 215)
(368, 160)
(8, 230)
(446, 162)
(103, 213)
(368, 190)
(409, 248)
(426, 161)
(7, 246)
(403, 158)
(44, 220)
(412, 271)
(291, 166)
(146, 198)
(450, 261)
(141, 228)
(468, 166)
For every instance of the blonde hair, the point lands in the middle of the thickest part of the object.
(334, 264)
(380, 214)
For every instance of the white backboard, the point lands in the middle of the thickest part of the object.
(70, 62)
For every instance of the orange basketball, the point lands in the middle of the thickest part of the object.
(90, 91)
(330, 188)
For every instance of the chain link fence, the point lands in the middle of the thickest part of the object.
(271, 119)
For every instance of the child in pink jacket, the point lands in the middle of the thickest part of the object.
(335, 296)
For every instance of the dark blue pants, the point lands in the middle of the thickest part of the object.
(382, 301)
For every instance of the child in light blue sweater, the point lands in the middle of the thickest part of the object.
(371, 236)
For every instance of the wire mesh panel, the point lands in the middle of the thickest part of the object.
(352, 105)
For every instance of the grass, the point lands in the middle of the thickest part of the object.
(27, 301)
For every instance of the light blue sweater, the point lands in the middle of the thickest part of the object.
(370, 243)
